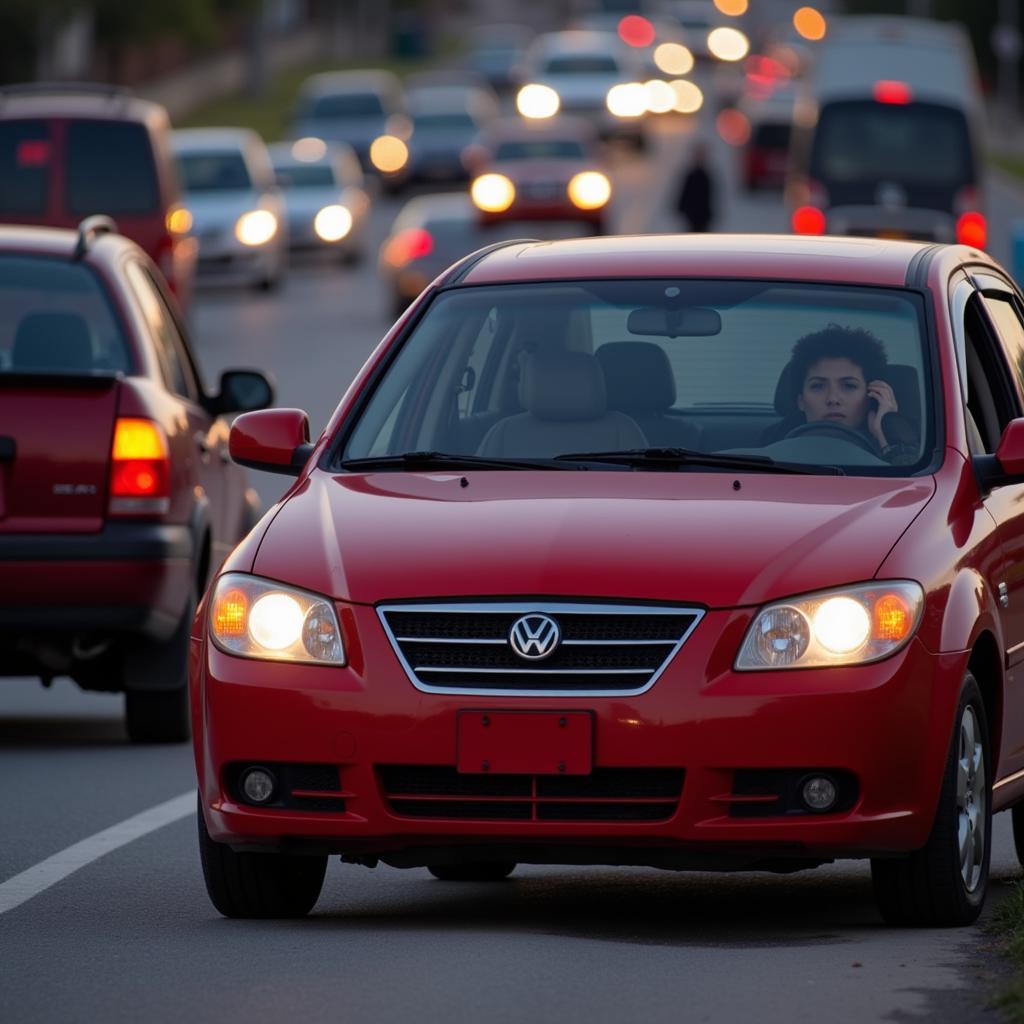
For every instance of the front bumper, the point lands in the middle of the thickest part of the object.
(886, 726)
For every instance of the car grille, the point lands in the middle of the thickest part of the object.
(603, 650)
(607, 794)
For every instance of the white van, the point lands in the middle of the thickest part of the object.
(887, 135)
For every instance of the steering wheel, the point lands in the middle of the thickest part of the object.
(838, 430)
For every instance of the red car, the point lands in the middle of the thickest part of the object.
(547, 170)
(71, 150)
(117, 497)
(692, 552)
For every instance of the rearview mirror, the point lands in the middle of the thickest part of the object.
(274, 440)
(688, 322)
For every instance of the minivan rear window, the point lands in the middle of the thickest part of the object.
(57, 319)
(342, 105)
(214, 171)
(918, 143)
(25, 158)
(109, 168)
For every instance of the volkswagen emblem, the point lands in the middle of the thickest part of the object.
(534, 636)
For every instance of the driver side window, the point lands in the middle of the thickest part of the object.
(991, 402)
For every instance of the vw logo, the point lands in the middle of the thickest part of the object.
(534, 636)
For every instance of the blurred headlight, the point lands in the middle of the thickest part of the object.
(628, 99)
(388, 153)
(728, 44)
(493, 193)
(309, 149)
(257, 618)
(660, 96)
(851, 626)
(673, 59)
(590, 190)
(257, 227)
(332, 223)
(179, 221)
(689, 98)
(537, 101)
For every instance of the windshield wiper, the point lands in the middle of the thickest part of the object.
(670, 458)
(447, 460)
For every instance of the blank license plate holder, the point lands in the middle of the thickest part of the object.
(525, 742)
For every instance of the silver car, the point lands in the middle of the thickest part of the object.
(236, 208)
(328, 208)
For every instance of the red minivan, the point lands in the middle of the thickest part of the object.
(691, 552)
(70, 150)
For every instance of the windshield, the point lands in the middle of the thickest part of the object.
(582, 64)
(447, 121)
(344, 105)
(539, 149)
(919, 143)
(214, 172)
(304, 175)
(797, 373)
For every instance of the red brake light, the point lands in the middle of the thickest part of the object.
(33, 153)
(408, 245)
(635, 30)
(971, 229)
(140, 477)
(808, 220)
(892, 92)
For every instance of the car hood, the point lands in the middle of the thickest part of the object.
(541, 170)
(307, 202)
(358, 132)
(692, 537)
(217, 209)
(581, 88)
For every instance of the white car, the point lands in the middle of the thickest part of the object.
(582, 67)
(325, 196)
(236, 209)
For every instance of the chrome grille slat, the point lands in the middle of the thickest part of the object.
(606, 649)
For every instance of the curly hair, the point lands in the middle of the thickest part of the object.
(858, 345)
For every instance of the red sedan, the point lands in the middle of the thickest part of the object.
(547, 170)
(672, 551)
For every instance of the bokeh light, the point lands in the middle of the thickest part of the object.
(728, 44)
(537, 101)
(661, 97)
(689, 98)
(733, 126)
(733, 8)
(629, 99)
(635, 30)
(388, 153)
(810, 23)
(309, 149)
(673, 59)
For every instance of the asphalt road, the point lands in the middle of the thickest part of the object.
(132, 936)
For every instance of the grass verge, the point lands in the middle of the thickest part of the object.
(1008, 925)
(1011, 164)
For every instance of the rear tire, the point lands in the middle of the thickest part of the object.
(159, 713)
(944, 883)
(481, 872)
(254, 885)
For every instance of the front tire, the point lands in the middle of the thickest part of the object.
(479, 872)
(944, 883)
(259, 885)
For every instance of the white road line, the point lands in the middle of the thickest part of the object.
(41, 876)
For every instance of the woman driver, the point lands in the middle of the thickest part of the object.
(840, 373)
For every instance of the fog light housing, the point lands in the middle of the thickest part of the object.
(258, 785)
(819, 793)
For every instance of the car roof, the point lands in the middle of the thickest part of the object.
(214, 138)
(58, 242)
(351, 81)
(756, 257)
(86, 102)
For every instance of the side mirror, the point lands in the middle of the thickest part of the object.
(242, 391)
(1007, 465)
(274, 440)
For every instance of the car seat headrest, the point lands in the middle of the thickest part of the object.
(564, 386)
(52, 341)
(638, 376)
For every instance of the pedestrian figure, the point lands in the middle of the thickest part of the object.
(696, 198)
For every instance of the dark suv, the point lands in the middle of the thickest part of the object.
(68, 151)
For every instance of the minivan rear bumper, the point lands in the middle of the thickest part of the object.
(891, 222)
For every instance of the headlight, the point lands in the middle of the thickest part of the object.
(257, 227)
(851, 626)
(389, 154)
(493, 193)
(627, 99)
(332, 223)
(257, 618)
(537, 101)
(590, 190)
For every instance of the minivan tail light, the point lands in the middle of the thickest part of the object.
(892, 92)
(808, 220)
(972, 229)
(140, 470)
